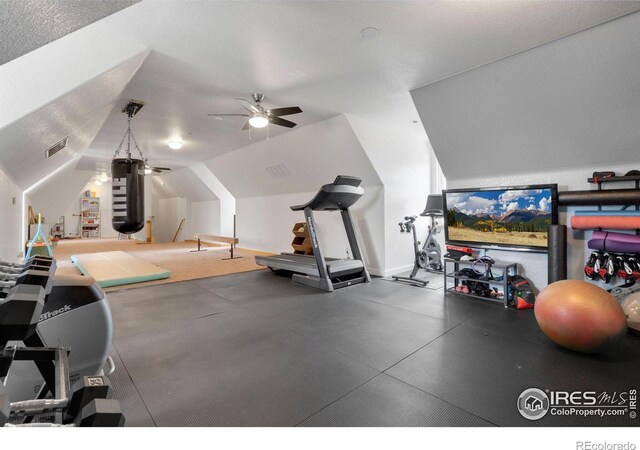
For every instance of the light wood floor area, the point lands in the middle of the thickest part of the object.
(175, 257)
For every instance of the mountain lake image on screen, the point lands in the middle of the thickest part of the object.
(514, 217)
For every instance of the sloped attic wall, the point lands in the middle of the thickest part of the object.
(58, 193)
(404, 164)
(181, 194)
(11, 223)
(552, 114)
(45, 101)
(267, 177)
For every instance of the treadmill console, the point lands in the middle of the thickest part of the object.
(347, 180)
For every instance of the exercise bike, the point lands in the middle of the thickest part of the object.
(429, 257)
(76, 315)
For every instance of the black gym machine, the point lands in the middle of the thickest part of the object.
(429, 257)
(89, 403)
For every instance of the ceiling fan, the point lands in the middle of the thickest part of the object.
(260, 117)
(151, 170)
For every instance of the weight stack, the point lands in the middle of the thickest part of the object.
(557, 256)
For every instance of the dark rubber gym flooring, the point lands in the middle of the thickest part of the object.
(253, 349)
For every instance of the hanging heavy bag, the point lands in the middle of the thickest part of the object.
(128, 195)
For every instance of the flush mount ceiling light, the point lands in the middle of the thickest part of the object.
(369, 33)
(258, 121)
(175, 144)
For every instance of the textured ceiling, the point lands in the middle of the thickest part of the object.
(28, 24)
(311, 54)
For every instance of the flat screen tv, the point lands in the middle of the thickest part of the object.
(512, 218)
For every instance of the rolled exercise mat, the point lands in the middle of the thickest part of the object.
(609, 222)
(609, 212)
(557, 257)
(608, 241)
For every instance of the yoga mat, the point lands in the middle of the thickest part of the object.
(611, 213)
(608, 241)
(610, 222)
(117, 268)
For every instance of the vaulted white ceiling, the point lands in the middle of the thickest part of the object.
(311, 54)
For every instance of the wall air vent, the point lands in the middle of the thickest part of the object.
(278, 171)
(55, 148)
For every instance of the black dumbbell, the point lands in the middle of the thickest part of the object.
(20, 312)
(84, 391)
(101, 412)
(5, 406)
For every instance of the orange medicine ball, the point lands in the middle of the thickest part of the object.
(580, 316)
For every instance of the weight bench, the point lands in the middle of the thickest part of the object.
(232, 241)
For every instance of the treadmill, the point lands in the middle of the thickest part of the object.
(315, 270)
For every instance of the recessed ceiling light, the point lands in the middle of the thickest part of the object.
(175, 145)
(369, 33)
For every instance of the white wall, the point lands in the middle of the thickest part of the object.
(205, 218)
(170, 212)
(11, 222)
(266, 224)
(226, 203)
(58, 194)
(575, 179)
(404, 165)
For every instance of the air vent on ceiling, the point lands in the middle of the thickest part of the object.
(55, 148)
(278, 171)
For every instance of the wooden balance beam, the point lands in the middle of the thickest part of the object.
(232, 241)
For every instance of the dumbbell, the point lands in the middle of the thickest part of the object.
(5, 406)
(36, 263)
(84, 391)
(20, 312)
(42, 278)
(101, 412)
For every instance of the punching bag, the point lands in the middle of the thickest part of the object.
(128, 195)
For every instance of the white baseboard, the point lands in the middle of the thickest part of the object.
(397, 270)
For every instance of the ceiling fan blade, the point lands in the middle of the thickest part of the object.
(161, 168)
(246, 126)
(227, 115)
(156, 170)
(285, 111)
(246, 104)
(282, 122)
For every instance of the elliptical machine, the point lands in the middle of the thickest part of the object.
(429, 257)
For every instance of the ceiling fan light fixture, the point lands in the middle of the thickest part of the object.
(147, 169)
(258, 121)
(174, 144)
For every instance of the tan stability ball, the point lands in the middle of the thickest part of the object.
(580, 316)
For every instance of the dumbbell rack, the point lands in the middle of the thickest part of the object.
(452, 266)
